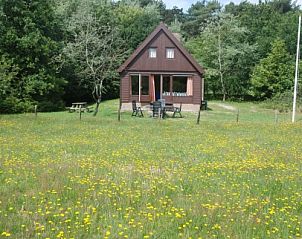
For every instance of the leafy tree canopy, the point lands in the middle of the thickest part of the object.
(274, 74)
(29, 36)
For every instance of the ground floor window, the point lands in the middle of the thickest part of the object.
(166, 85)
(172, 85)
(144, 84)
(182, 86)
(135, 84)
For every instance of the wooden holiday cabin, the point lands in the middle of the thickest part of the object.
(161, 68)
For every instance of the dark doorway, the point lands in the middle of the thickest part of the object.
(157, 86)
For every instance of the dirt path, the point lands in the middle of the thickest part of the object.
(227, 107)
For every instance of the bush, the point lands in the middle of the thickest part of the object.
(48, 106)
(12, 105)
(283, 102)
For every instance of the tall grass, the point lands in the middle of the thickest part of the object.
(146, 178)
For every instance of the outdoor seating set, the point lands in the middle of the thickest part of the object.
(79, 107)
(159, 109)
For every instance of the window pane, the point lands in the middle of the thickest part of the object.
(134, 84)
(166, 85)
(180, 85)
(145, 85)
(170, 53)
(152, 52)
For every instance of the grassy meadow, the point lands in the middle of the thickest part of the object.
(147, 178)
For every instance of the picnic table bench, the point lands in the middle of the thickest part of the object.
(79, 106)
(160, 108)
(169, 107)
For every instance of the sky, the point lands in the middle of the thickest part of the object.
(185, 4)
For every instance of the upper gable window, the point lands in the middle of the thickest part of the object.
(170, 53)
(152, 52)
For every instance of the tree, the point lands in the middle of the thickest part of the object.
(96, 46)
(274, 74)
(135, 23)
(30, 38)
(8, 88)
(198, 16)
(175, 27)
(172, 15)
(222, 48)
(267, 21)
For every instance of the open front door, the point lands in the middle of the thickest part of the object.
(161, 87)
(158, 92)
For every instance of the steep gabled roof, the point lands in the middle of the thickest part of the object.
(161, 27)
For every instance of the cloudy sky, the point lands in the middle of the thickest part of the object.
(185, 4)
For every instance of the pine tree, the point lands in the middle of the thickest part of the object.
(274, 74)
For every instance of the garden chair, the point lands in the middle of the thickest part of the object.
(137, 111)
(177, 110)
(157, 109)
(204, 105)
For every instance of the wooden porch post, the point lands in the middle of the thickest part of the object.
(202, 88)
(139, 87)
(161, 86)
(171, 85)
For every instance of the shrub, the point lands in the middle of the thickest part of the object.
(12, 105)
(49, 106)
(283, 102)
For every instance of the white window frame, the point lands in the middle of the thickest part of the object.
(152, 52)
(170, 53)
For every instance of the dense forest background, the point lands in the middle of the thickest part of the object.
(54, 52)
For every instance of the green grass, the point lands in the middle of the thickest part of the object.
(147, 178)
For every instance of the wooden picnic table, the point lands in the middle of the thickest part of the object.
(79, 106)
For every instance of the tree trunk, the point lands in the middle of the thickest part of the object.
(97, 94)
(220, 67)
(223, 87)
(96, 110)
